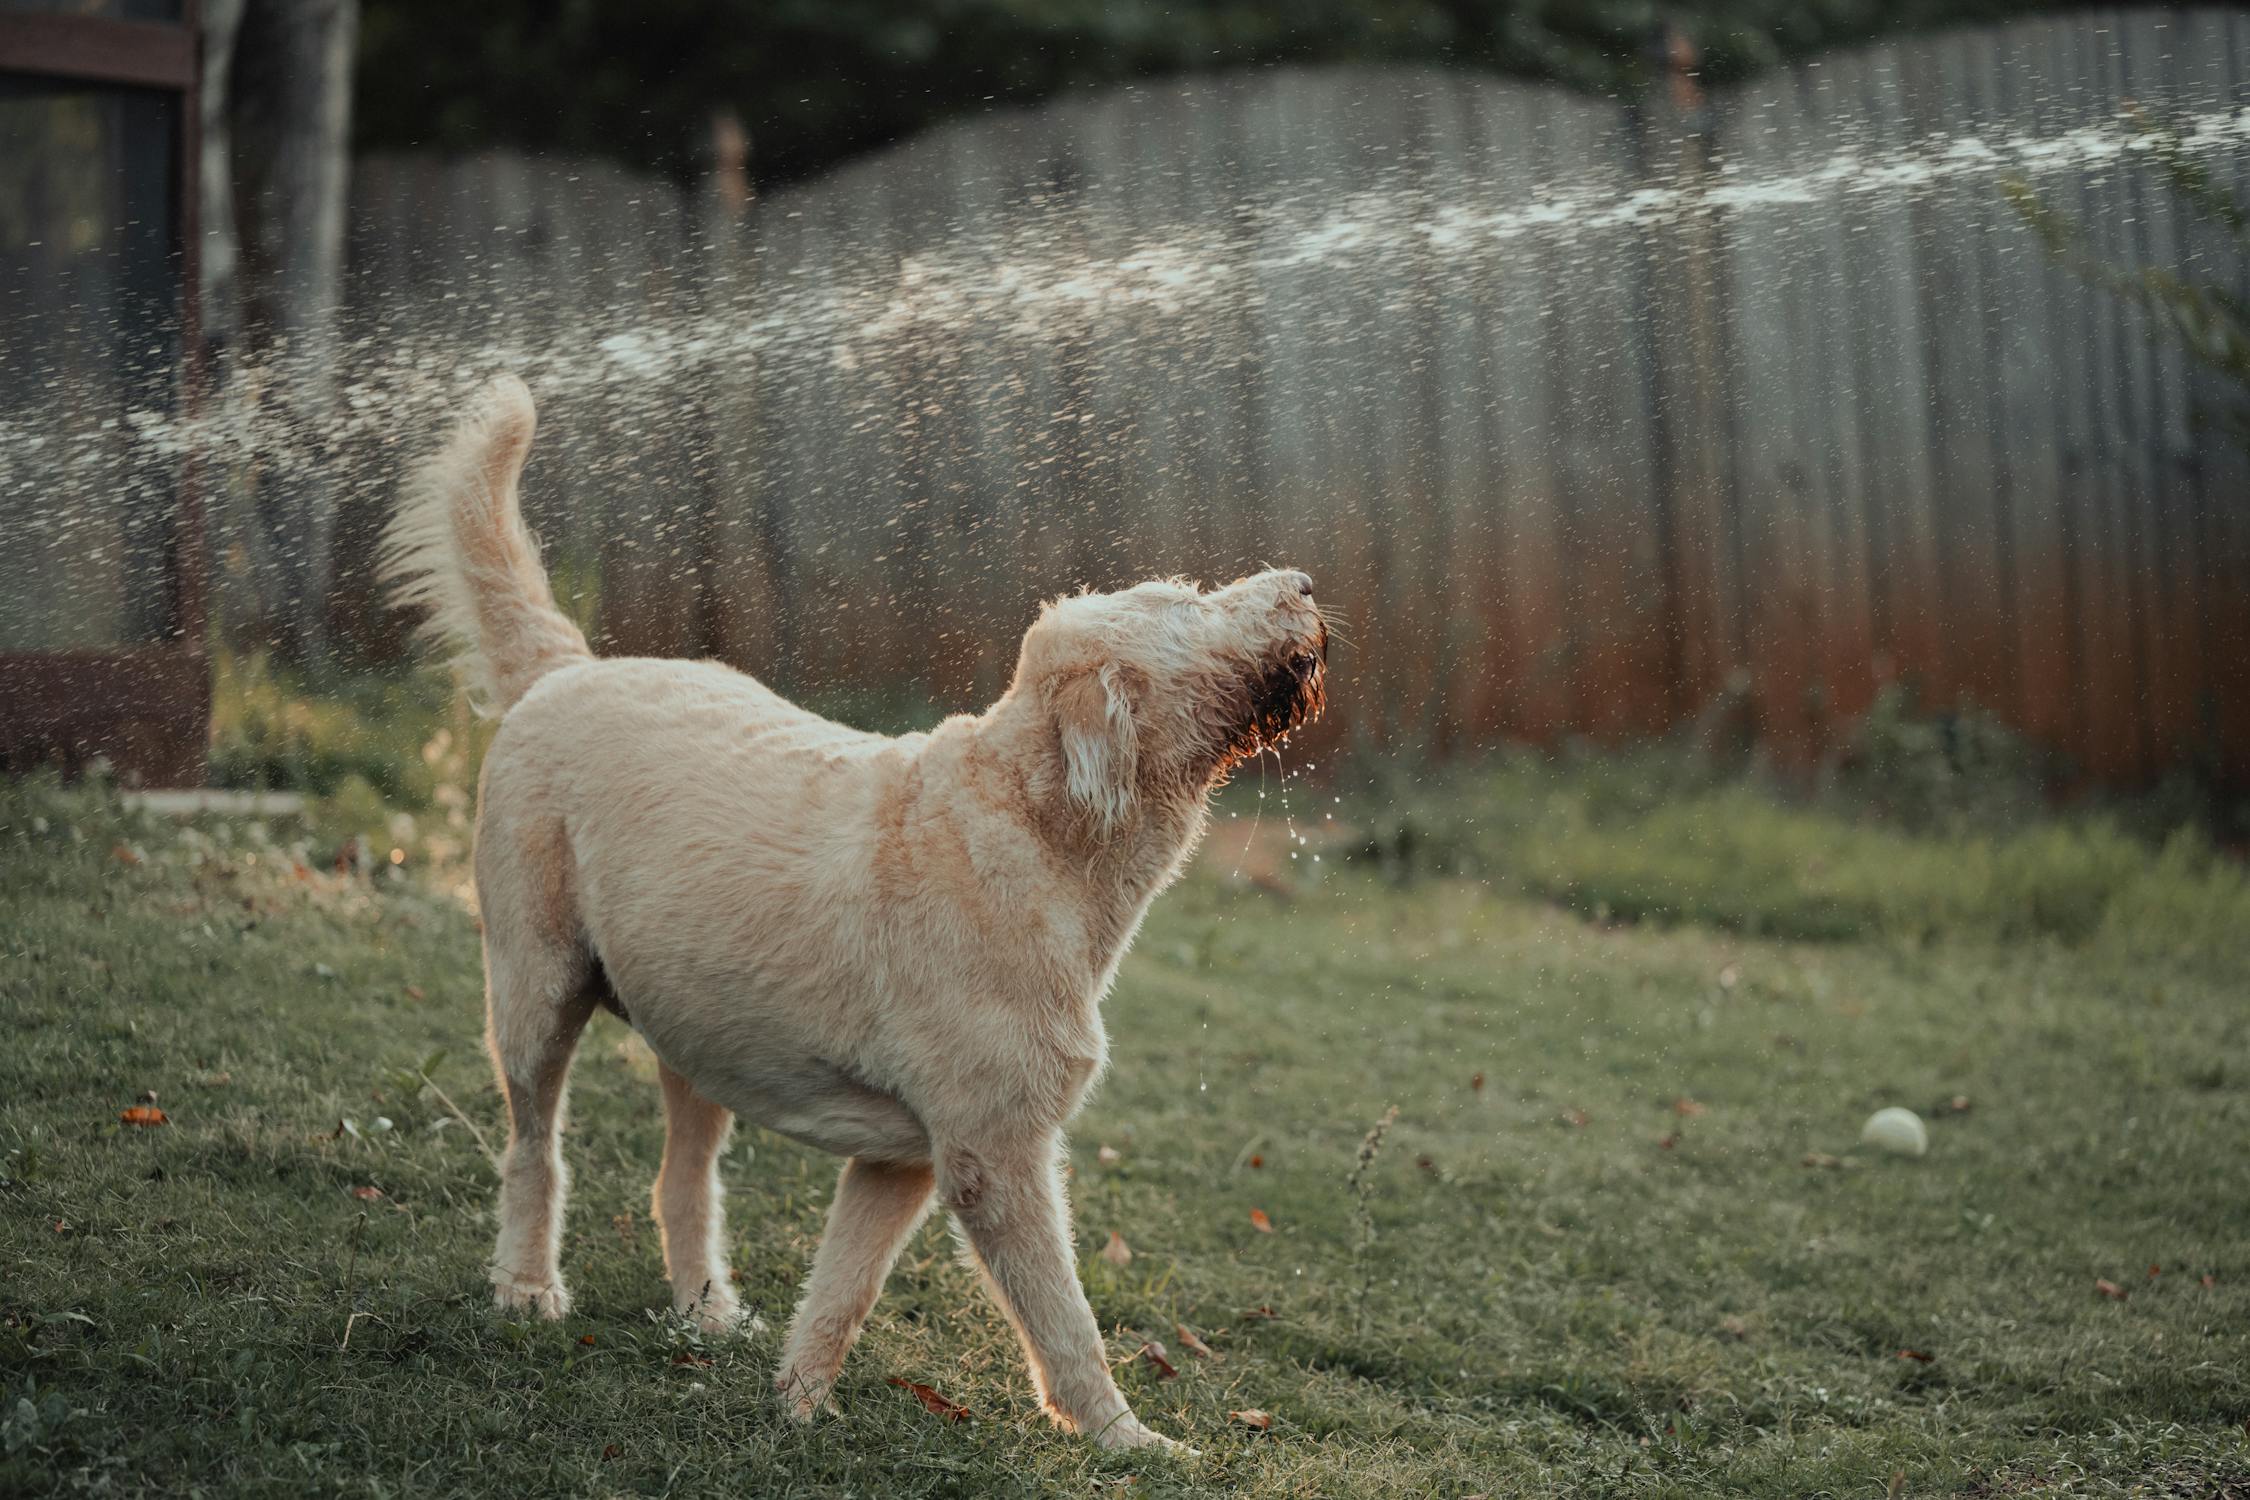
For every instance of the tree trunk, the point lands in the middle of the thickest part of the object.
(292, 128)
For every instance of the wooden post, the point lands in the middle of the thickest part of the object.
(1686, 328)
(737, 570)
(293, 68)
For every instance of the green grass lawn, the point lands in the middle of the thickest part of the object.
(1620, 1239)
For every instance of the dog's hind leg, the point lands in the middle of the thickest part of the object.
(877, 1206)
(537, 999)
(689, 1205)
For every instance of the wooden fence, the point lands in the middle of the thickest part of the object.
(1586, 418)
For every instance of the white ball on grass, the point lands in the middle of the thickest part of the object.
(1895, 1129)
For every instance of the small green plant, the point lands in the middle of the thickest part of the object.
(1956, 769)
(31, 1420)
(1363, 1208)
(270, 731)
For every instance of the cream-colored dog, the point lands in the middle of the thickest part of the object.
(892, 949)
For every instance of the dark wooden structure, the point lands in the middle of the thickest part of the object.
(102, 637)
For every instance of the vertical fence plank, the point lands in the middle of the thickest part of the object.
(2115, 749)
(1771, 478)
(1951, 223)
(1897, 441)
(2171, 582)
(1532, 676)
(2025, 401)
(2226, 547)
(1827, 115)
(1681, 253)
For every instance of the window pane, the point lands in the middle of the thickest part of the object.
(89, 343)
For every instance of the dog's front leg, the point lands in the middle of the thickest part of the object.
(1009, 1204)
(877, 1206)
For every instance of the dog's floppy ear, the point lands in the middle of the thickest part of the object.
(1094, 713)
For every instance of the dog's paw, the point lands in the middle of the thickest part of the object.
(1127, 1432)
(805, 1395)
(539, 1296)
(715, 1314)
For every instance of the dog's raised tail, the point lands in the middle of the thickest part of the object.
(458, 550)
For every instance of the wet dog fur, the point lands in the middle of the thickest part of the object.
(895, 949)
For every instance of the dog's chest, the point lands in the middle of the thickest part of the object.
(1076, 1052)
(1080, 1074)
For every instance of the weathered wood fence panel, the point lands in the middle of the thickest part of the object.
(1565, 460)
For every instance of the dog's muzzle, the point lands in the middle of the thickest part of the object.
(1289, 694)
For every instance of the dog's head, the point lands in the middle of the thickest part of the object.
(1158, 691)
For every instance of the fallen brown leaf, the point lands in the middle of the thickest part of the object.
(1194, 1345)
(1256, 1160)
(416, 992)
(2154, 1272)
(1823, 1160)
(367, 1194)
(1916, 1355)
(1686, 1108)
(2209, 1280)
(932, 1401)
(1262, 1313)
(1476, 1083)
(1152, 1354)
(1667, 1142)
(1117, 1252)
(143, 1114)
(1260, 1421)
(611, 1450)
(1260, 1222)
(125, 854)
(690, 1357)
(587, 1339)
(2110, 1289)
